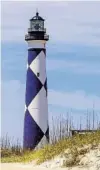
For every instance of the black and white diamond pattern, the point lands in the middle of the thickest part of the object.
(36, 108)
(38, 65)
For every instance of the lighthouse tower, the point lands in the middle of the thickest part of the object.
(36, 130)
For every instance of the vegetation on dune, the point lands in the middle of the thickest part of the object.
(73, 144)
(52, 150)
(60, 141)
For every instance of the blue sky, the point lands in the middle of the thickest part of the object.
(73, 59)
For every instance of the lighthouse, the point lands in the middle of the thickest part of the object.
(36, 129)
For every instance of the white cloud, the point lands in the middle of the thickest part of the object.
(75, 100)
(74, 66)
(13, 100)
(13, 97)
(70, 22)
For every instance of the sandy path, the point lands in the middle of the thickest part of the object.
(19, 166)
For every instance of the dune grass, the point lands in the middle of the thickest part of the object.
(51, 150)
(60, 140)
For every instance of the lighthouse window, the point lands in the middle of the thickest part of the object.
(38, 74)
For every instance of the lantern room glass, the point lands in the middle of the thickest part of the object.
(37, 25)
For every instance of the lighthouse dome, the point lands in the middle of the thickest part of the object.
(37, 17)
